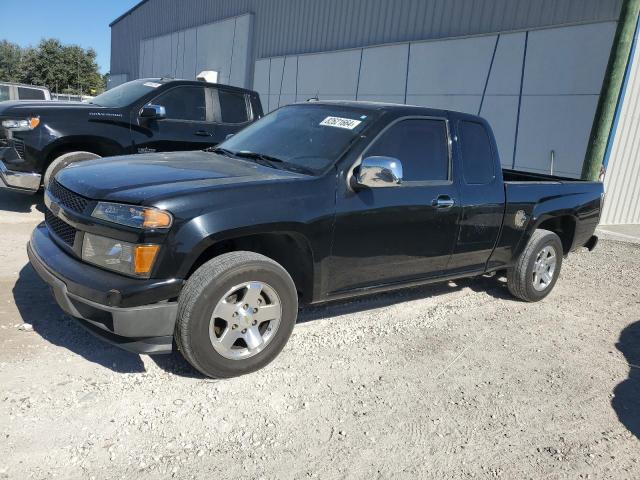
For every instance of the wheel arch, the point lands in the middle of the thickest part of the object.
(101, 146)
(562, 225)
(291, 249)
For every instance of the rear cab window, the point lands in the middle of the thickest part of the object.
(233, 106)
(26, 93)
(478, 165)
(4, 93)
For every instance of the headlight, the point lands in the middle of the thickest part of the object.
(132, 216)
(119, 256)
(21, 125)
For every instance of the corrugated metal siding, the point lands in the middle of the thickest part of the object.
(622, 182)
(302, 26)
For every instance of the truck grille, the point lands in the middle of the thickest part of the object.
(19, 146)
(62, 230)
(67, 198)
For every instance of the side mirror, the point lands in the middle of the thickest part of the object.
(153, 112)
(229, 136)
(375, 172)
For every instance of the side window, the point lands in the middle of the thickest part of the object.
(4, 93)
(477, 157)
(183, 103)
(233, 107)
(421, 146)
(25, 93)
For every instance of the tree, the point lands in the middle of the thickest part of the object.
(10, 59)
(61, 68)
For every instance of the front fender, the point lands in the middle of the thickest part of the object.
(194, 241)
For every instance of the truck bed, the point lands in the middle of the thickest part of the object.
(519, 176)
(543, 196)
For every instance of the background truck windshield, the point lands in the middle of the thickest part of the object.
(125, 94)
(308, 136)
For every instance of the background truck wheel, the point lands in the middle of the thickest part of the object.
(235, 314)
(537, 268)
(64, 161)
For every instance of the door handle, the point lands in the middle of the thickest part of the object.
(203, 133)
(443, 201)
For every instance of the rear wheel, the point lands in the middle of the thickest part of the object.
(235, 314)
(537, 269)
(64, 161)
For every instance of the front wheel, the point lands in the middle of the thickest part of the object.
(537, 268)
(235, 314)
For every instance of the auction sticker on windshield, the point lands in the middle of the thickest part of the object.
(152, 84)
(340, 122)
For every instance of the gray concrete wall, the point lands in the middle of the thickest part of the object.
(288, 27)
(538, 89)
(223, 46)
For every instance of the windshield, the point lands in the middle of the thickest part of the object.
(125, 94)
(305, 137)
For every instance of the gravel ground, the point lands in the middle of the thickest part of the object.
(449, 381)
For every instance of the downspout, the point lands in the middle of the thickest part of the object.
(611, 88)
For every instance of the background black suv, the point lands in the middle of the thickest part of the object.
(39, 138)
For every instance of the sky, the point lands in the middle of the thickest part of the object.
(79, 22)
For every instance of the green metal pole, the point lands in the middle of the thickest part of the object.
(611, 86)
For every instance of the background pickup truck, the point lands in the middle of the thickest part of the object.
(41, 138)
(21, 91)
(213, 251)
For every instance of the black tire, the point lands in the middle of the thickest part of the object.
(64, 161)
(202, 292)
(520, 277)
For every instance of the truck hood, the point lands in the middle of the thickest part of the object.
(34, 106)
(150, 178)
(50, 109)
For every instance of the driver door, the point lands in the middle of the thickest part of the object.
(399, 233)
(188, 124)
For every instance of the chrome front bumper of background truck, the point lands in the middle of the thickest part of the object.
(26, 182)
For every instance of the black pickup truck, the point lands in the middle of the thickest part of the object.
(212, 252)
(39, 138)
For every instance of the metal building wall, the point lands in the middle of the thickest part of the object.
(222, 46)
(537, 88)
(622, 181)
(284, 27)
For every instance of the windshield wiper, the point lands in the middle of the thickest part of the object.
(258, 156)
(261, 158)
(222, 151)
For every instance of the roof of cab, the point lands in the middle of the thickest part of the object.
(182, 81)
(398, 108)
(15, 84)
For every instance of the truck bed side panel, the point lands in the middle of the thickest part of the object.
(579, 202)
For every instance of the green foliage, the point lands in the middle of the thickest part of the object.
(10, 59)
(61, 68)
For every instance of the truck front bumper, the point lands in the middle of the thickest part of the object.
(25, 182)
(139, 329)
